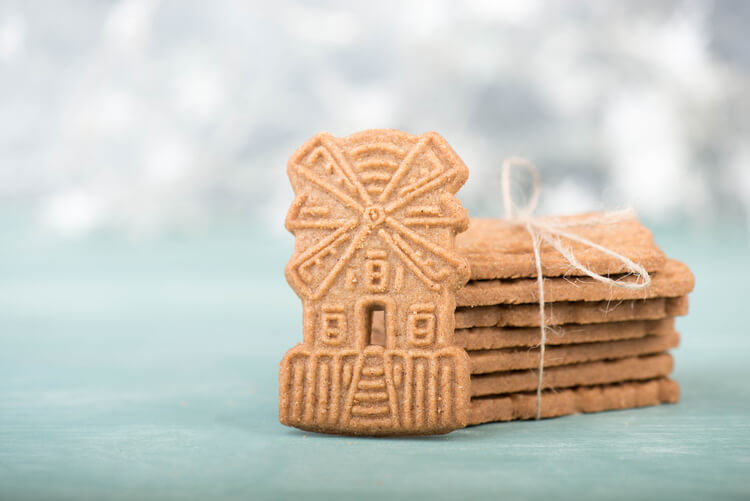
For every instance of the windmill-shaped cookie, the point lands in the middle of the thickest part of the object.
(375, 220)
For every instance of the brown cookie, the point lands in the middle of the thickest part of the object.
(492, 338)
(566, 376)
(496, 248)
(580, 312)
(674, 279)
(575, 400)
(374, 220)
(511, 359)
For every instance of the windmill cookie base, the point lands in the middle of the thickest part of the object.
(310, 384)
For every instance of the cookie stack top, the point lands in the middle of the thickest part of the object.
(503, 269)
(497, 248)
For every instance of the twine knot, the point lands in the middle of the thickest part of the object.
(553, 231)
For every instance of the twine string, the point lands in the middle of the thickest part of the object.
(553, 231)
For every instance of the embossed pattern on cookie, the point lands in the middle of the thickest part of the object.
(375, 219)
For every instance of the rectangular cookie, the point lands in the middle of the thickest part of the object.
(673, 280)
(567, 376)
(496, 248)
(492, 338)
(565, 312)
(510, 359)
(574, 400)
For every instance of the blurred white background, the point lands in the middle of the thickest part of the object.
(142, 115)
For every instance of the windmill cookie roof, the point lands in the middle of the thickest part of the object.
(381, 186)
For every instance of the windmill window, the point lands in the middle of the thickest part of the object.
(376, 271)
(334, 325)
(421, 325)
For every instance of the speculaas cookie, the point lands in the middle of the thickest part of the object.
(497, 248)
(375, 219)
(566, 376)
(673, 280)
(510, 359)
(575, 400)
(580, 312)
(492, 338)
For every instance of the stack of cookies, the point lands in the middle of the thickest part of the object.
(607, 346)
(380, 265)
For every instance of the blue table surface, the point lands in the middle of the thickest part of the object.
(148, 369)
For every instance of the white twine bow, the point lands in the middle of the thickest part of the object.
(551, 231)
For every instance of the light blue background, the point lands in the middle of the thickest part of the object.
(143, 309)
(149, 370)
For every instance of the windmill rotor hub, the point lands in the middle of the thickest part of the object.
(374, 215)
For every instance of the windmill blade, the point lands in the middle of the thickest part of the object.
(342, 261)
(318, 213)
(419, 188)
(303, 269)
(321, 182)
(409, 258)
(435, 262)
(323, 163)
(344, 165)
(426, 168)
(448, 212)
(404, 168)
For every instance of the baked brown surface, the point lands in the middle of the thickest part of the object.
(564, 312)
(489, 338)
(566, 376)
(510, 359)
(672, 280)
(574, 401)
(498, 249)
